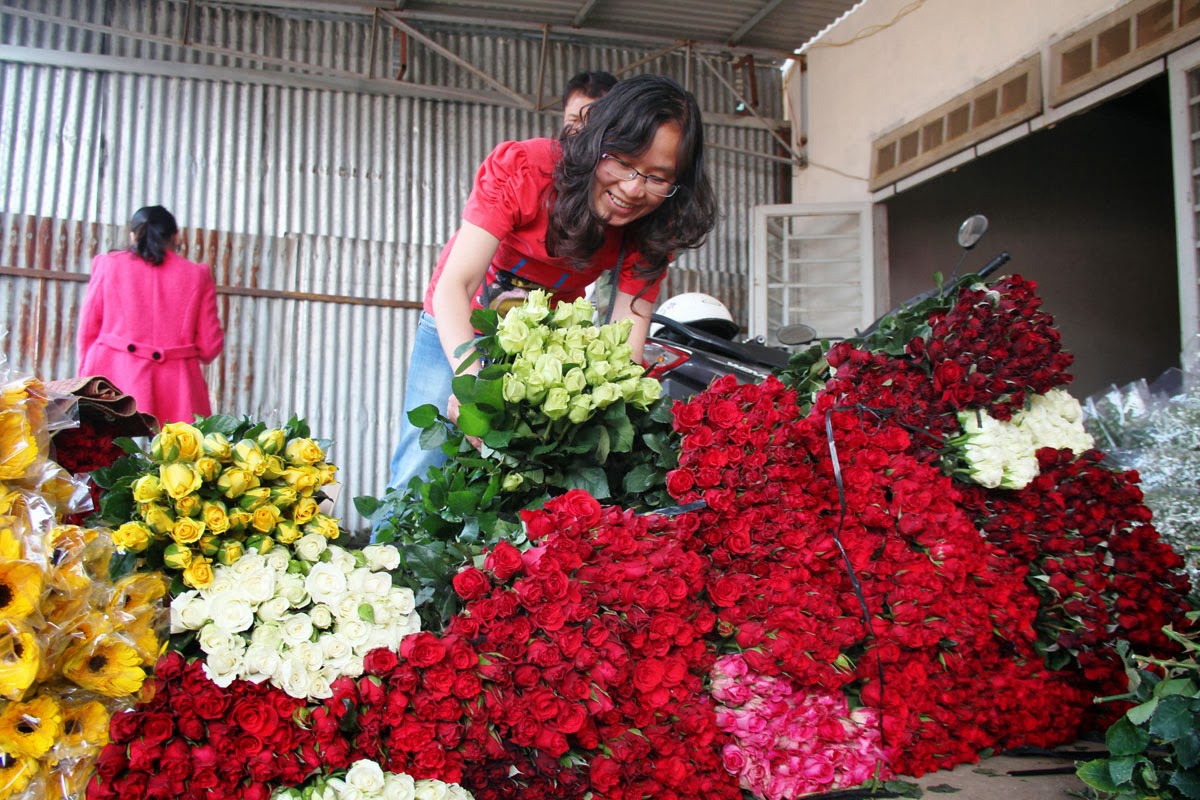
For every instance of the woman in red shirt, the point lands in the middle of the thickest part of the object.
(626, 191)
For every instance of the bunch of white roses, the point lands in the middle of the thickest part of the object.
(565, 366)
(1004, 454)
(298, 619)
(366, 780)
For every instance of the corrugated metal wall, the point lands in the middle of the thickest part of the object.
(322, 212)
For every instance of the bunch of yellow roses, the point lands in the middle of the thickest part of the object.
(205, 499)
(74, 646)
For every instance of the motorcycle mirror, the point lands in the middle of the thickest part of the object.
(796, 334)
(972, 230)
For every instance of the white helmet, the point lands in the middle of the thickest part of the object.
(699, 310)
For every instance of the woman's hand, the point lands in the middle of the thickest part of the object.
(452, 407)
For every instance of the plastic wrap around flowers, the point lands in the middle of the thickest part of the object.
(74, 646)
(1003, 454)
(207, 493)
(366, 780)
(299, 619)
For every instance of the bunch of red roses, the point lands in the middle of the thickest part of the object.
(81, 450)
(593, 659)
(1097, 563)
(194, 739)
(943, 603)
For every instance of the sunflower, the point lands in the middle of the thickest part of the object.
(142, 632)
(136, 593)
(68, 782)
(21, 585)
(85, 729)
(31, 728)
(18, 445)
(11, 542)
(15, 774)
(105, 665)
(20, 660)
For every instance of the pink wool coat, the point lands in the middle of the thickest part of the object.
(148, 329)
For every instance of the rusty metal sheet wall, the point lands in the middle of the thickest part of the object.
(321, 212)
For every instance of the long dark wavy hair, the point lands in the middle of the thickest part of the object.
(153, 228)
(624, 122)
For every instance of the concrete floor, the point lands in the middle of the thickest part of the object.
(1007, 776)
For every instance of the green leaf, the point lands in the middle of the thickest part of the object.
(1187, 750)
(366, 505)
(423, 416)
(1120, 769)
(1126, 739)
(1095, 774)
(1173, 719)
(943, 788)
(462, 503)
(1139, 714)
(622, 433)
(432, 438)
(1188, 783)
(602, 445)
(366, 612)
(641, 479)
(223, 424)
(490, 395)
(473, 420)
(464, 388)
(591, 479)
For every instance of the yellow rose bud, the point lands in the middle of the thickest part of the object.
(273, 468)
(234, 482)
(512, 481)
(304, 510)
(303, 453)
(208, 467)
(147, 489)
(239, 519)
(164, 448)
(250, 457)
(284, 496)
(327, 472)
(218, 446)
(179, 479)
(133, 536)
(254, 498)
(286, 531)
(513, 389)
(187, 530)
(216, 519)
(209, 544)
(555, 404)
(187, 440)
(230, 551)
(177, 556)
(158, 517)
(259, 543)
(271, 441)
(188, 506)
(323, 524)
(199, 573)
(265, 518)
(304, 480)
(579, 408)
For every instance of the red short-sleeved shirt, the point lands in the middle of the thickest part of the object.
(511, 201)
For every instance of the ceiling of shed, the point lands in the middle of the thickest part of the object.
(765, 28)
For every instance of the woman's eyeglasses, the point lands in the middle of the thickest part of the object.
(616, 168)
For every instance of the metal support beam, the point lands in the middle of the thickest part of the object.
(746, 104)
(749, 24)
(450, 55)
(582, 14)
(541, 80)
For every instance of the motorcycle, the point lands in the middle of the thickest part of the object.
(693, 337)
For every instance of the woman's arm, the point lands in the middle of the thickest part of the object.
(626, 306)
(465, 269)
(91, 314)
(210, 339)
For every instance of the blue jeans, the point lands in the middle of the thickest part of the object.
(429, 381)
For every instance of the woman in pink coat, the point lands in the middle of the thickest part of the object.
(149, 321)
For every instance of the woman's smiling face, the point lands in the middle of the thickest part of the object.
(620, 202)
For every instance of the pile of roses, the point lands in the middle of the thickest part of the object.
(827, 613)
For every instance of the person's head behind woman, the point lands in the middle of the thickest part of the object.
(153, 231)
(624, 124)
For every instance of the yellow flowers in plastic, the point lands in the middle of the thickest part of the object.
(202, 494)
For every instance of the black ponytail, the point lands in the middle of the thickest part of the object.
(153, 229)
